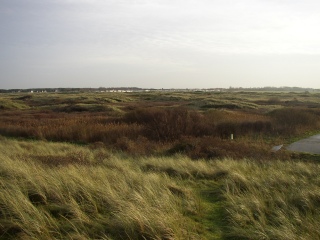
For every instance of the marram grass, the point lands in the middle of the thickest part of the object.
(64, 191)
(277, 200)
(87, 194)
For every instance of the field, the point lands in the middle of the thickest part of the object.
(158, 165)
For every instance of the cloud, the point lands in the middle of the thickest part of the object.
(167, 37)
(255, 27)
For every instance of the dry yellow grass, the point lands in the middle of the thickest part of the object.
(87, 194)
(275, 200)
(65, 191)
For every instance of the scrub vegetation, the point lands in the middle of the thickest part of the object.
(198, 124)
(157, 165)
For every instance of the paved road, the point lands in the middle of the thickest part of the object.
(308, 145)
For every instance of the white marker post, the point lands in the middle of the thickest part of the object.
(231, 137)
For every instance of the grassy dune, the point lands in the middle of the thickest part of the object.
(58, 191)
(158, 165)
(65, 191)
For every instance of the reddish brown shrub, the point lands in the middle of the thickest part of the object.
(225, 129)
(170, 124)
(291, 119)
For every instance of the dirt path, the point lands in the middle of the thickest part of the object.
(308, 145)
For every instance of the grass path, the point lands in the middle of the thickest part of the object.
(213, 217)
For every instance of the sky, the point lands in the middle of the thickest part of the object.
(159, 43)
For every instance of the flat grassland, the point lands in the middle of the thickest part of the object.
(158, 165)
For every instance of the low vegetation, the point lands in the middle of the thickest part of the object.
(155, 123)
(157, 165)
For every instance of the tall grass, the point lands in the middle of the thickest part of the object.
(276, 200)
(60, 191)
(63, 191)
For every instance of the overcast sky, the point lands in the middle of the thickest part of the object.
(159, 43)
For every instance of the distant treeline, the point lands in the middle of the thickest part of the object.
(273, 89)
(124, 89)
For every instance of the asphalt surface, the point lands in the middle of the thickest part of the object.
(308, 145)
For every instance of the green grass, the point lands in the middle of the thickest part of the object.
(9, 104)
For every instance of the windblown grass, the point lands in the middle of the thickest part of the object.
(275, 200)
(60, 191)
(64, 191)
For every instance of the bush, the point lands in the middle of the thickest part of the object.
(224, 129)
(169, 124)
(291, 118)
(215, 148)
